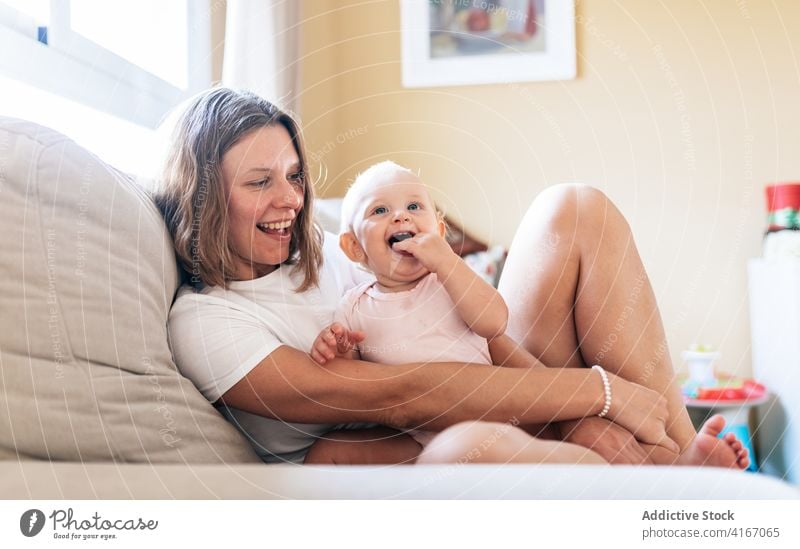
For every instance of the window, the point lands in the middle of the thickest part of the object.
(118, 26)
(111, 68)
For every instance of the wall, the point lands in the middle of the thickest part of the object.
(681, 112)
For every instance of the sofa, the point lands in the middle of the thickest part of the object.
(93, 406)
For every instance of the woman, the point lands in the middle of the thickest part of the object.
(264, 281)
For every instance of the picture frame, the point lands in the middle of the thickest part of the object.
(464, 42)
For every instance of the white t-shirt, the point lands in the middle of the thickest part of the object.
(218, 335)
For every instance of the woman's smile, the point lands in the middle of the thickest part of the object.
(280, 230)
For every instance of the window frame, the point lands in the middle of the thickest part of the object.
(74, 67)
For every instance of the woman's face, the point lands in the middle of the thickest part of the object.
(264, 190)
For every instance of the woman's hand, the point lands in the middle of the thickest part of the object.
(333, 341)
(641, 411)
(613, 442)
(431, 250)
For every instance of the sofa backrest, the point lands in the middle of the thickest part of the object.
(88, 276)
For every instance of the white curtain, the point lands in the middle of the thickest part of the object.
(262, 44)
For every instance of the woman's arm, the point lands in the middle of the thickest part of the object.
(480, 306)
(290, 386)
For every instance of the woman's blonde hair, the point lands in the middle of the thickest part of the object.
(192, 191)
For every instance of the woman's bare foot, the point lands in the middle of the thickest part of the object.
(706, 449)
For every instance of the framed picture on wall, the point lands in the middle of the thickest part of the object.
(460, 42)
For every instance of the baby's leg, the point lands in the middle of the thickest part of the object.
(377, 446)
(508, 353)
(485, 442)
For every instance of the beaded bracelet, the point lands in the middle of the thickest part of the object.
(606, 389)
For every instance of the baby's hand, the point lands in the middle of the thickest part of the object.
(431, 250)
(333, 341)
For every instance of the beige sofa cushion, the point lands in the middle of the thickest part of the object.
(88, 275)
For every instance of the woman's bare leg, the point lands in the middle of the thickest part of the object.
(376, 446)
(578, 295)
(489, 442)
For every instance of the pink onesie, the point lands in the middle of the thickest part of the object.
(417, 325)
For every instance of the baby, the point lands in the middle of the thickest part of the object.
(425, 304)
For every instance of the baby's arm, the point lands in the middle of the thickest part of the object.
(336, 341)
(479, 304)
(507, 352)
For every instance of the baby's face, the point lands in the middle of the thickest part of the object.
(389, 211)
